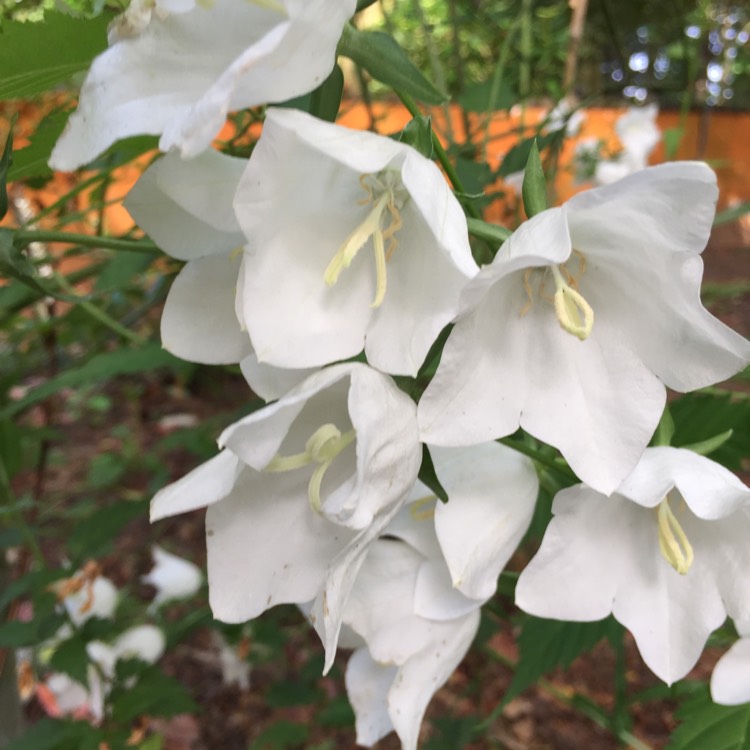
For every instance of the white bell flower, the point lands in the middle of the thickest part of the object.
(583, 317)
(301, 489)
(173, 577)
(97, 598)
(354, 241)
(667, 554)
(186, 208)
(416, 599)
(178, 71)
(639, 133)
(730, 680)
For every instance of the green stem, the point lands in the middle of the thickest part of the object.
(12, 503)
(538, 456)
(95, 312)
(27, 236)
(442, 156)
(584, 705)
(61, 202)
(486, 231)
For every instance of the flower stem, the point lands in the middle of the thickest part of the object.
(27, 236)
(442, 156)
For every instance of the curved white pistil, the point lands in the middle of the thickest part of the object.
(322, 447)
(573, 312)
(673, 542)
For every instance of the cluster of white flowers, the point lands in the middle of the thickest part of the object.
(329, 243)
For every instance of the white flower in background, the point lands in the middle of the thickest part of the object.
(374, 257)
(730, 680)
(178, 71)
(97, 598)
(61, 695)
(301, 489)
(583, 317)
(639, 134)
(563, 117)
(417, 597)
(667, 554)
(235, 668)
(144, 642)
(173, 577)
(186, 208)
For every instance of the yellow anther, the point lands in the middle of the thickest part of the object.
(673, 542)
(386, 197)
(423, 509)
(321, 448)
(573, 312)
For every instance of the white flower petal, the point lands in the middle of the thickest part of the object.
(710, 490)
(210, 60)
(492, 493)
(173, 577)
(367, 686)
(186, 206)
(268, 382)
(730, 680)
(434, 596)
(663, 217)
(144, 642)
(313, 169)
(266, 530)
(198, 323)
(207, 484)
(96, 600)
(423, 674)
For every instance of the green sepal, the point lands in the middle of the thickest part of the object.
(382, 57)
(418, 135)
(5, 161)
(534, 190)
(326, 99)
(428, 476)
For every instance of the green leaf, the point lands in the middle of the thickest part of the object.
(14, 264)
(154, 694)
(476, 96)
(15, 634)
(702, 417)
(46, 734)
(490, 232)
(732, 214)
(706, 447)
(707, 726)
(428, 476)
(534, 190)
(31, 161)
(5, 161)
(326, 99)
(94, 536)
(546, 644)
(71, 658)
(382, 57)
(34, 57)
(283, 735)
(515, 160)
(418, 135)
(665, 429)
(97, 370)
(672, 139)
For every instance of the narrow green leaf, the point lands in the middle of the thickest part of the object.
(707, 726)
(97, 370)
(732, 214)
(546, 644)
(428, 476)
(154, 693)
(534, 190)
(490, 232)
(418, 135)
(5, 161)
(35, 57)
(382, 57)
(31, 161)
(326, 99)
(706, 447)
(515, 160)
